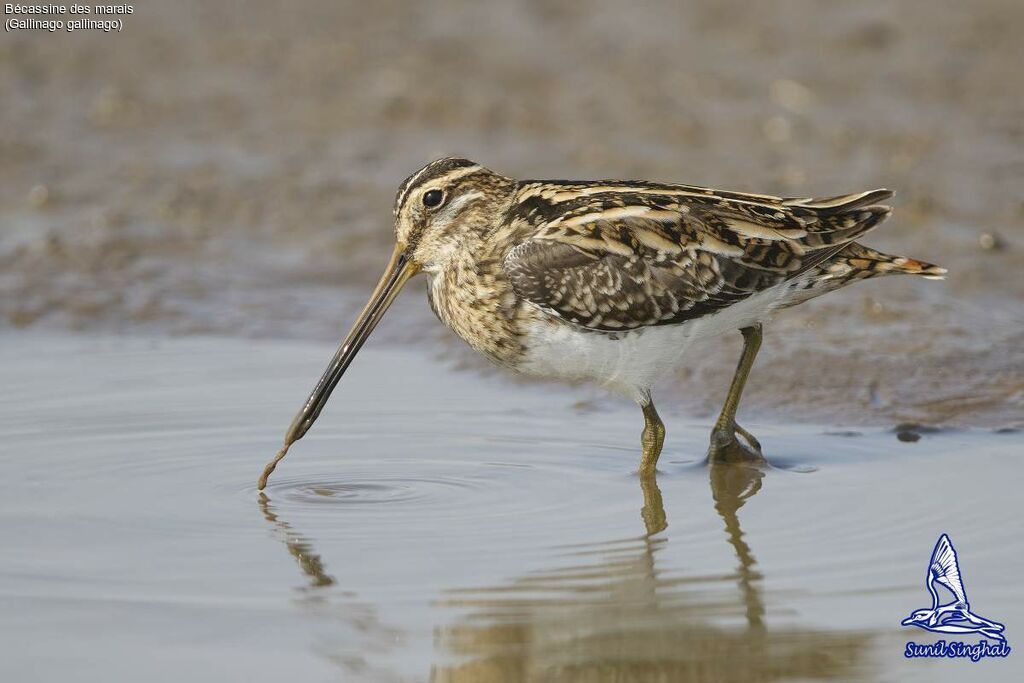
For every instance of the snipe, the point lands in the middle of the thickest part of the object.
(611, 281)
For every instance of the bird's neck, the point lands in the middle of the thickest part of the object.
(471, 296)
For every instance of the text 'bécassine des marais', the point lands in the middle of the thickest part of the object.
(43, 10)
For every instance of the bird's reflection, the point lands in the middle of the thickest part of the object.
(359, 630)
(623, 619)
(731, 486)
(298, 547)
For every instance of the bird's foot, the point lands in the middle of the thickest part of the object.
(726, 448)
(751, 440)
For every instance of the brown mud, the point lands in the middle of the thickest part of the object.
(229, 168)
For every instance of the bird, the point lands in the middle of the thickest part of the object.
(611, 281)
(955, 616)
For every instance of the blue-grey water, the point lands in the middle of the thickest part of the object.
(442, 525)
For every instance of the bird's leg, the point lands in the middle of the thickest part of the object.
(724, 446)
(652, 439)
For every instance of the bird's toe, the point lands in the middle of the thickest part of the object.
(751, 440)
(726, 448)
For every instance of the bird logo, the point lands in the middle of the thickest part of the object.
(955, 616)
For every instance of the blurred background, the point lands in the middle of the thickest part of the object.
(228, 168)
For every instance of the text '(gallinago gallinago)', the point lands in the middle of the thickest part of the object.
(611, 281)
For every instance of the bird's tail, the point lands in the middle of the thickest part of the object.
(833, 221)
(851, 263)
(857, 262)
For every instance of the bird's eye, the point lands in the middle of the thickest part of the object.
(433, 198)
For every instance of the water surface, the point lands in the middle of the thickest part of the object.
(439, 525)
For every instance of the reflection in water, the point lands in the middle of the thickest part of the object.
(298, 547)
(352, 617)
(731, 486)
(624, 620)
(619, 619)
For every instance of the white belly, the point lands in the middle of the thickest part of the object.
(631, 362)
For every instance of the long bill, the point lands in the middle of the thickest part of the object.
(397, 273)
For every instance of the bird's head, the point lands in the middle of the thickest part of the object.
(917, 617)
(444, 205)
(438, 209)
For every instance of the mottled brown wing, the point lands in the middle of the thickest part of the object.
(603, 290)
(636, 257)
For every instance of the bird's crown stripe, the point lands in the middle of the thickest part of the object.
(453, 174)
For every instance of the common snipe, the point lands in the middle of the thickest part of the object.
(611, 281)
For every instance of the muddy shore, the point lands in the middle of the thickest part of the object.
(228, 169)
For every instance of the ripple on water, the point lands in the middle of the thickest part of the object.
(345, 492)
(495, 488)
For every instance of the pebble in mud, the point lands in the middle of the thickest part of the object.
(991, 241)
(38, 196)
(909, 432)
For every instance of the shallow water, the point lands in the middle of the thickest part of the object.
(439, 525)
